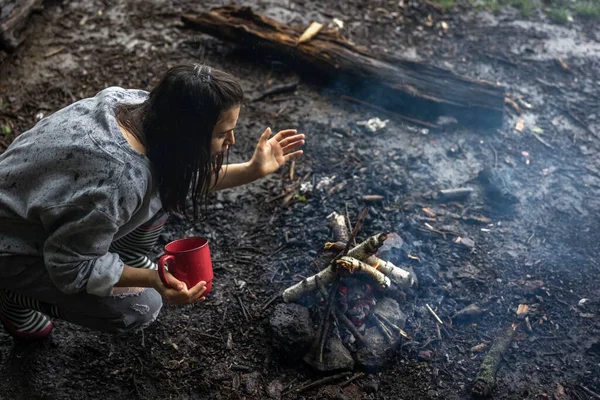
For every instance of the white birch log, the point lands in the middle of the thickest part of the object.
(308, 285)
(401, 277)
(353, 265)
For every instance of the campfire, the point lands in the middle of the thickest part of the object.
(354, 298)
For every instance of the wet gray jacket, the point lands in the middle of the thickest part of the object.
(69, 187)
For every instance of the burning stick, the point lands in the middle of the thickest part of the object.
(486, 377)
(350, 326)
(352, 265)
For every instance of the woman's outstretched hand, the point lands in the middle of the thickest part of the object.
(179, 293)
(272, 152)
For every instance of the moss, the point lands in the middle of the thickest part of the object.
(486, 377)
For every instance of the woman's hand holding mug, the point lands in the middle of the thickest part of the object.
(178, 292)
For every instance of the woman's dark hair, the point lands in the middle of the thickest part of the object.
(175, 124)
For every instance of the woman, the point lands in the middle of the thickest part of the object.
(82, 196)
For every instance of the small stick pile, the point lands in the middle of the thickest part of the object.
(359, 260)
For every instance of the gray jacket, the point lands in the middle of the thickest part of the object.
(69, 187)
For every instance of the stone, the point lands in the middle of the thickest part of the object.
(336, 357)
(377, 350)
(371, 385)
(390, 309)
(274, 389)
(251, 382)
(292, 329)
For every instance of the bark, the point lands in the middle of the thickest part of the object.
(406, 87)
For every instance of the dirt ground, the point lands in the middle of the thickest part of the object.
(542, 252)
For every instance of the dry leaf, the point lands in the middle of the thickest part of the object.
(479, 348)
(563, 64)
(429, 21)
(520, 125)
(429, 212)
(522, 310)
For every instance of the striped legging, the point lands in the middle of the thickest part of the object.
(134, 247)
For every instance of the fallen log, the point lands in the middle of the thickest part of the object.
(411, 88)
(14, 15)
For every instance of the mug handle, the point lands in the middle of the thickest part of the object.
(161, 269)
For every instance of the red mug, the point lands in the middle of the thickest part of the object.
(189, 261)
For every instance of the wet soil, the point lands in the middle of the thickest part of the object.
(541, 252)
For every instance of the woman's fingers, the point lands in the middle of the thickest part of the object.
(292, 156)
(198, 289)
(293, 146)
(265, 136)
(175, 283)
(292, 139)
(285, 133)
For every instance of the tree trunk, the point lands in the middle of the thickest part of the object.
(409, 88)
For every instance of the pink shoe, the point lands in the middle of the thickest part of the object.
(43, 329)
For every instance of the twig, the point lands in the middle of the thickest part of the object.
(495, 156)
(53, 52)
(350, 326)
(325, 323)
(270, 301)
(434, 314)
(292, 169)
(393, 326)
(243, 308)
(223, 319)
(383, 329)
(542, 141)
(432, 229)
(209, 336)
(578, 120)
(352, 379)
(277, 89)
(349, 224)
(591, 393)
(319, 382)
(352, 238)
(373, 106)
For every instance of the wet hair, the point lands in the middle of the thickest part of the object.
(175, 124)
